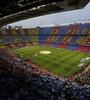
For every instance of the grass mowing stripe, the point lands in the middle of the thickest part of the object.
(60, 61)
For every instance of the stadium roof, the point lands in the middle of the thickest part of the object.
(16, 10)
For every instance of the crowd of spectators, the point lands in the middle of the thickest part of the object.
(84, 78)
(20, 81)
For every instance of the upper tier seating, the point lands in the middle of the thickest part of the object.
(72, 37)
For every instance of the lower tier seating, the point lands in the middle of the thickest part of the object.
(80, 48)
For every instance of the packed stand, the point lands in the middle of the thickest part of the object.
(84, 78)
(20, 81)
(73, 37)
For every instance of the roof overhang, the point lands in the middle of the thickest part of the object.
(20, 10)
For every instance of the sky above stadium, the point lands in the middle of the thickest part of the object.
(73, 16)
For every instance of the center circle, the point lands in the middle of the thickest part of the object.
(45, 52)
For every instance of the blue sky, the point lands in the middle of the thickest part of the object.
(56, 18)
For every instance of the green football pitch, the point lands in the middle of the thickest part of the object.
(59, 61)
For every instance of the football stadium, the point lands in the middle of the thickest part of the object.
(44, 63)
